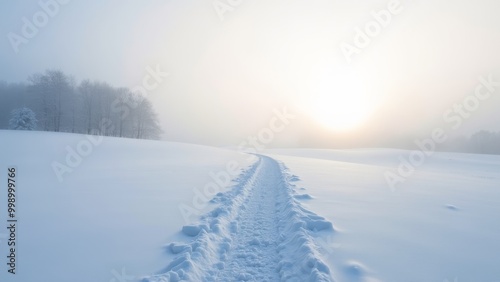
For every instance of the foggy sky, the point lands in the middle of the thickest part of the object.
(227, 76)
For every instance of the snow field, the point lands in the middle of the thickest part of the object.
(259, 232)
(439, 225)
(111, 216)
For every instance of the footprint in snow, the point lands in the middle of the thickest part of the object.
(358, 272)
(303, 197)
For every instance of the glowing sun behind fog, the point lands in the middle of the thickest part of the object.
(338, 99)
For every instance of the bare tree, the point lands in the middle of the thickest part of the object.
(54, 88)
(146, 121)
(61, 104)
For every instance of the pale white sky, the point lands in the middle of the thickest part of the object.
(226, 77)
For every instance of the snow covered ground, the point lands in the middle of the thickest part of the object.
(442, 224)
(259, 232)
(134, 210)
(112, 215)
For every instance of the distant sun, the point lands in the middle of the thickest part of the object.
(338, 100)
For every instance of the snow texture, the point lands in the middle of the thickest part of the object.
(259, 232)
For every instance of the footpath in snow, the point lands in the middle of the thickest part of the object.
(258, 232)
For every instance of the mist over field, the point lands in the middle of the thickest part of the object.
(368, 74)
(241, 140)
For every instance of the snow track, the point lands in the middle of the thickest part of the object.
(258, 232)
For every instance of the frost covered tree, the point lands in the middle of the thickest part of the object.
(23, 119)
(63, 105)
(54, 89)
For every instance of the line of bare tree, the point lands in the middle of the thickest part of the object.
(62, 105)
(481, 142)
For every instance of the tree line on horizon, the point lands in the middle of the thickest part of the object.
(481, 142)
(89, 107)
(93, 107)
